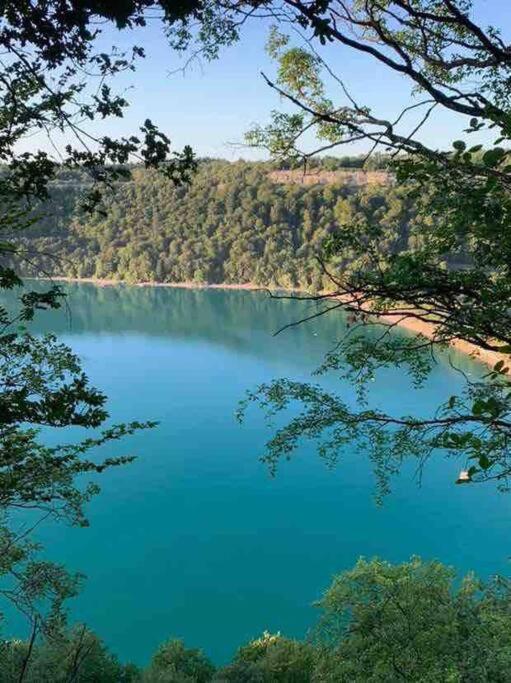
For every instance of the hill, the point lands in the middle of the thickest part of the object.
(236, 223)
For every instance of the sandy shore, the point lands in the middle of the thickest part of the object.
(411, 324)
(428, 330)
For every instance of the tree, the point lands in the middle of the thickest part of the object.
(409, 622)
(456, 278)
(175, 663)
(414, 621)
(236, 241)
(50, 63)
(75, 656)
(270, 658)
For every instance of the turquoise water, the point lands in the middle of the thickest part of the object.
(195, 539)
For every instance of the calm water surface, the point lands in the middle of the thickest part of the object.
(195, 540)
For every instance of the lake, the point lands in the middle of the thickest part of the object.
(195, 539)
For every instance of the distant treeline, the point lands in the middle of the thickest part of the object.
(233, 224)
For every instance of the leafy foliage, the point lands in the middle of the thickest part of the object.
(76, 656)
(379, 622)
(50, 63)
(390, 622)
(233, 224)
(452, 275)
(175, 663)
(271, 658)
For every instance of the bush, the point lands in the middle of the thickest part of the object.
(271, 659)
(174, 663)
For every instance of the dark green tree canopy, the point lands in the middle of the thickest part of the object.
(235, 223)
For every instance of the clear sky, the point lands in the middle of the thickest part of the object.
(212, 104)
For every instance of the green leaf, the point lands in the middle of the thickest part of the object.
(477, 407)
(492, 157)
(484, 462)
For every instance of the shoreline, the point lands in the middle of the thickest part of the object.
(102, 282)
(412, 325)
(489, 358)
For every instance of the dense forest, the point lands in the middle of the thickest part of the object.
(234, 224)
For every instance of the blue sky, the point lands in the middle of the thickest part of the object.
(212, 104)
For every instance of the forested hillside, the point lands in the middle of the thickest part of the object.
(234, 224)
